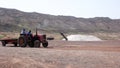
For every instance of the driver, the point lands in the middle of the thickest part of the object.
(23, 31)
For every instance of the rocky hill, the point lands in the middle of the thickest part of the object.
(14, 20)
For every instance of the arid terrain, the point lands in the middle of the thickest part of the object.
(17, 20)
(63, 54)
(60, 54)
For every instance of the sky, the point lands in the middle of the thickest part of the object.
(77, 8)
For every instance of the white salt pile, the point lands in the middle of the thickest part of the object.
(83, 38)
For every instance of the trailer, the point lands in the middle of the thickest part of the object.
(9, 41)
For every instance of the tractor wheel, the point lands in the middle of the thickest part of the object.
(15, 44)
(22, 41)
(3, 43)
(31, 44)
(45, 44)
(36, 43)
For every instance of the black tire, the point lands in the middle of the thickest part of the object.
(36, 43)
(30, 42)
(22, 41)
(45, 44)
(15, 44)
(3, 43)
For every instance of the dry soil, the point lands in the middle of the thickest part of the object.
(63, 54)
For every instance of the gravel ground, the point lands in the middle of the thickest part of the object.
(62, 54)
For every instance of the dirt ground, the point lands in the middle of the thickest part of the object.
(63, 54)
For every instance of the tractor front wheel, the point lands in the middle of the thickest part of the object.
(45, 44)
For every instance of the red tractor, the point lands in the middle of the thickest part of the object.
(32, 40)
(27, 39)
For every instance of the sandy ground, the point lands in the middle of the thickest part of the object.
(62, 54)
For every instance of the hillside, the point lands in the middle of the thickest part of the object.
(13, 20)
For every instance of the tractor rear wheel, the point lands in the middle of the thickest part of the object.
(45, 44)
(36, 43)
(22, 41)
